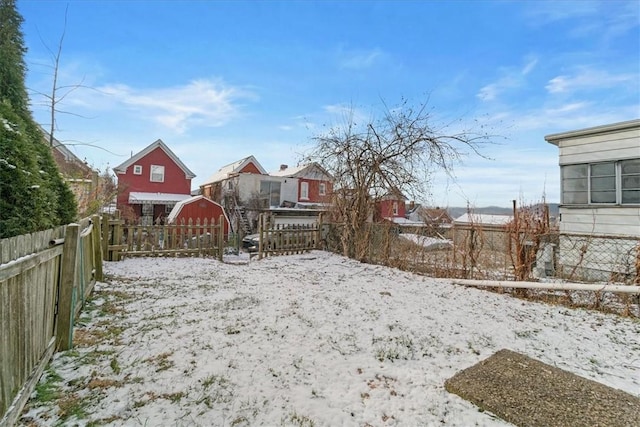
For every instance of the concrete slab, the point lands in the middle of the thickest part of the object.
(527, 392)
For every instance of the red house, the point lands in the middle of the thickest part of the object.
(315, 184)
(151, 182)
(198, 208)
(391, 206)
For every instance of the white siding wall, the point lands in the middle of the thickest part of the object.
(600, 147)
(607, 221)
(249, 185)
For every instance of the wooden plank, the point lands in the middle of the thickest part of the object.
(13, 412)
(26, 263)
(68, 279)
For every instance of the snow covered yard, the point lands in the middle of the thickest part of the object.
(305, 340)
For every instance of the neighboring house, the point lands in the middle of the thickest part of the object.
(427, 221)
(198, 208)
(151, 182)
(391, 207)
(245, 190)
(489, 231)
(315, 184)
(81, 178)
(599, 215)
(435, 217)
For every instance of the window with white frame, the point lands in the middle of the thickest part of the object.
(395, 208)
(322, 190)
(157, 173)
(601, 183)
(137, 169)
(304, 190)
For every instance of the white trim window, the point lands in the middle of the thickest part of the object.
(616, 182)
(157, 173)
(322, 189)
(304, 190)
(137, 169)
(395, 208)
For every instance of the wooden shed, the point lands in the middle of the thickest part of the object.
(198, 208)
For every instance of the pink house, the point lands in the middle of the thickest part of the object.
(151, 182)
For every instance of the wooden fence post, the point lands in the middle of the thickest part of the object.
(221, 238)
(319, 233)
(260, 235)
(105, 237)
(96, 242)
(66, 298)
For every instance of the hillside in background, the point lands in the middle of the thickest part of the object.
(455, 212)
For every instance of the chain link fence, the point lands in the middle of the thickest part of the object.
(495, 253)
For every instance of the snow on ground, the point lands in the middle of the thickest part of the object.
(310, 340)
(429, 243)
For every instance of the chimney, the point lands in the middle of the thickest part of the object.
(283, 167)
(412, 205)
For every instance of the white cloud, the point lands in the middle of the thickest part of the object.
(200, 102)
(590, 79)
(359, 59)
(512, 78)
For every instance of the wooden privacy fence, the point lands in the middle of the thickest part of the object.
(287, 239)
(45, 278)
(188, 238)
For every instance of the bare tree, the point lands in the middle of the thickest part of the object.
(396, 153)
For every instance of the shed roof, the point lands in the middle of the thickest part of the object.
(483, 219)
(613, 127)
(122, 168)
(182, 203)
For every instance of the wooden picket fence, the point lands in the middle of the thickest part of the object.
(287, 239)
(188, 238)
(45, 278)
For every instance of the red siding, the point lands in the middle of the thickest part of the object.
(386, 208)
(201, 208)
(250, 168)
(314, 191)
(174, 177)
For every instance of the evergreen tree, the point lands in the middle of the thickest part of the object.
(33, 195)
(12, 66)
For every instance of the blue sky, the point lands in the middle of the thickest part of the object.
(218, 81)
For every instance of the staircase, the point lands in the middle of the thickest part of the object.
(243, 221)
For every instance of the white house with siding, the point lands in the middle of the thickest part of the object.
(600, 200)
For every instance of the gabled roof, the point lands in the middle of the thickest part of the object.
(309, 171)
(234, 168)
(122, 168)
(178, 207)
